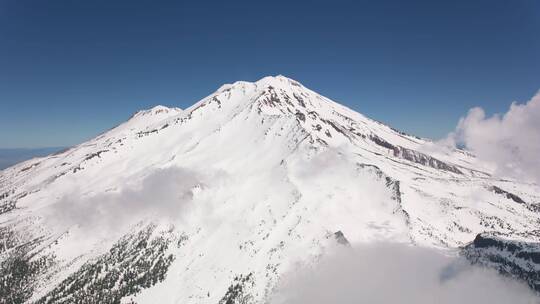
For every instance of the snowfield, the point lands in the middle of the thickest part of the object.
(215, 203)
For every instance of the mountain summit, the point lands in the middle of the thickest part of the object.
(214, 203)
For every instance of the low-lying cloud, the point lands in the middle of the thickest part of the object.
(394, 273)
(164, 194)
(511, 141)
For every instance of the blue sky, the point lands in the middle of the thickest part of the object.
(71, 69)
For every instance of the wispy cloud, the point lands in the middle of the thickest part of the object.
(164, 194)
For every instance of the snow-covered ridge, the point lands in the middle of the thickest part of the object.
(234, 191)
(158, 110)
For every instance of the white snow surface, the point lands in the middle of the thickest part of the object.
(261, 176)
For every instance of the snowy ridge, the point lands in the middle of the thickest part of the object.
(230, 193)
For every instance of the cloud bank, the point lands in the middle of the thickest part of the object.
(394, 273)
(510, 141)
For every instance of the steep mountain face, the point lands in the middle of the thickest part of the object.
(212, 204)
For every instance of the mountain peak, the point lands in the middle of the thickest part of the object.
(277, 78)
(144, 118)
(274, 81)
(269, 172)
(159, 109)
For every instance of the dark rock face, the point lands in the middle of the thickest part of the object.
(484, 242)
(517, 259)
(301, 116)
(381, 142)
(535, 207)
(415, 156)
(507, 194)
(425, 160)
(96, 154)
(341, 239)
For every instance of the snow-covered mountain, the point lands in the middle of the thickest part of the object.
(212, 204)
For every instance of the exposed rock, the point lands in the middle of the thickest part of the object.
(341, 239)
(507, 194)
(518, 259)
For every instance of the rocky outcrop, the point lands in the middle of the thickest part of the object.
(508, 255)
(341, 239)
(424, 159)
(415, 156)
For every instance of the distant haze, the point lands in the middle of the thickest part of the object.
(10, 157)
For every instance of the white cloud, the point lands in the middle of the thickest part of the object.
(510, 141)
(163, 194)
(397, 273)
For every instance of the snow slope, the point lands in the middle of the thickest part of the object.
(213, 203)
